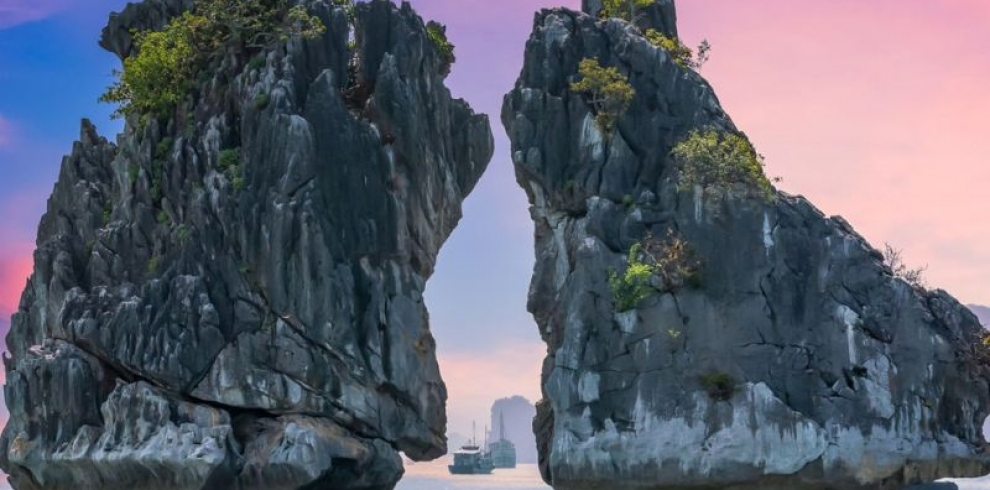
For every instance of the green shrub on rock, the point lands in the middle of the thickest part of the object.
(229, 158)
(624, 9)
(170, 62)
(608, 91)
(682, 55)
(261, 101)
(160, 76)
(714, 159)
(630, 288)
(437, 33)
(349, 7)
(653, 266)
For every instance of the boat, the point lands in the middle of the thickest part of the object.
(502, 451)
(471, 460)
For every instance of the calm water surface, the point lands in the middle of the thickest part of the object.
(434, 476)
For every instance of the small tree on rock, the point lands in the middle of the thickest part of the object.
(624, 9)
(894, 258)
(437, 33)
(681, 54)
(608, 91)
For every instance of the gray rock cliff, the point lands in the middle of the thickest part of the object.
(255, 322)
(829, 371)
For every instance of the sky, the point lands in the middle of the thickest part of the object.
(875, 110)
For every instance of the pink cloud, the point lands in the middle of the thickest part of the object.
(16, 264)
(476, 380)
(16, 12)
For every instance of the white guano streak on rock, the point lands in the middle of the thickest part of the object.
(588, 387)
(591, 138)
(849, 318)
(877, 386)
(768, 242)
(562, 265)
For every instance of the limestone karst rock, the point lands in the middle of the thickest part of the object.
(795, 360)
(252, 321)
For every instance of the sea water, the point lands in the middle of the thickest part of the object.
(435, 476)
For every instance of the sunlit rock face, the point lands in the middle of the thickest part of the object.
(841, 375)
(194, 323)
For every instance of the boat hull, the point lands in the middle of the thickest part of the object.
(468, 470)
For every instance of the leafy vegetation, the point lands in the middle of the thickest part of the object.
(653, 266)
(674, 261)
(720, 386)
(168, 63)
(349, 7)
(229, 162)
(257, 63)
(261, 101)
(713, 159)
(624, 9)
(183, 233)
(107, 213)
(229, 158)
(161, 156)
(630, 288)
(982, 345)
(437, 33)
(133, 170)
(628, 201)
(608, 91)
(160, 76)
(154, 264)
(164, 218)
(894, 258)
(681, 54)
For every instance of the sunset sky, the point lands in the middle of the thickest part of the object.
(876, 110)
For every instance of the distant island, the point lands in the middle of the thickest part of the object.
(518, 413)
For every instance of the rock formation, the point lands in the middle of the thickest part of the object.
(233, 298)
(794, 359)
(518, 414)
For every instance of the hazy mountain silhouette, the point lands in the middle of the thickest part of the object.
(518, 413)
(983, 312)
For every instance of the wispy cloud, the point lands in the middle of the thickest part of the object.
(16, 12)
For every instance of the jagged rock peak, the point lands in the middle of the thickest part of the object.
(231, 297)
(661, 15)
(771, 349)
